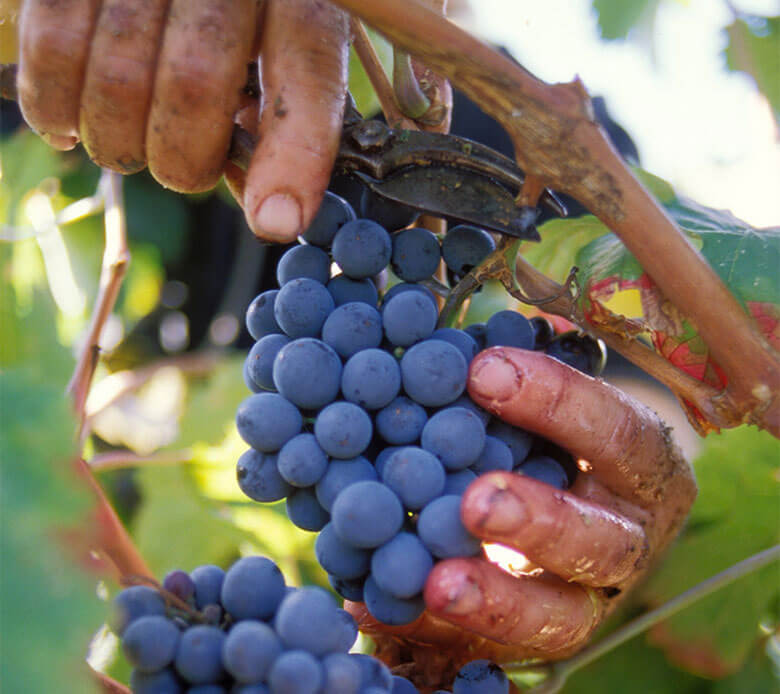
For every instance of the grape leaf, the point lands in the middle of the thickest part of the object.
(754, 48)
(617, 17)
(44, 592)
(737, 514)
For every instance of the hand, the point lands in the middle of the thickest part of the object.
(159, 84)
(591, 543)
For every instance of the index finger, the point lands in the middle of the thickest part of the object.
(626, 443)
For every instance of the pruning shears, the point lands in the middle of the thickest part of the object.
(442, 175)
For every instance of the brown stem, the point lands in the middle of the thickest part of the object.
(116, 460)
(109, 535)
(108, 685)
(116, 258)
(376, 75)
(557, 139)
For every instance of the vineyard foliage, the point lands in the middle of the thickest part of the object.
(186, 509)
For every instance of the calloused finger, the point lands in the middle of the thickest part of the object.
(200, 72)
(535, 614)
(53, 48)
(626, 443)
(304, 56)
(571, 537)
(119, 81)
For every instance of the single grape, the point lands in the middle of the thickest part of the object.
(496, 455)
(199, 656)
(367, 514)
(518, 440)
(456, 436)
(339, 475)
(464, 247)
(388, 609)
(458, 338)
(346, 629)
(133, 603)
(253, 588)
(353, 327)
(296, 672)
(308, 373)
(302, 462)
(149, 643)
(344, 290)
(302, 306)
(180, 584)
(481, 677)
(401, 685)
(401, 566)
(305, 511)
(342, 674)
(309, 619)
(371, 378)
(249, 689)
(260, 361)
(443, 533)
(543, 331)
(258, 477)
(260, 320)
(303, 261)
(343, 430)
(266, 421)
(208, 584)
(361, 248)
(408, 318)
(248, 380)
(374, 672)
(545, 469)
(339, 558)
(249, 651)
(160, 682)
(433, 373)
(402, 287)
(457, 482)
(333, 213)
(348, 588)
(479, 332)
(415, 475)
(579, 351)
(210, 689)
(416, 254)
(348, 187)
(390, 214)
(465, 401)
(509, 329)
(401, 422)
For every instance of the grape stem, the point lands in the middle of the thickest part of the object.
(116, 258)
(558, 140)
(118, 460)
(561, 671)
(109, 685)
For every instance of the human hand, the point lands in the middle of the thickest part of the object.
(590, 544)
(159, 84)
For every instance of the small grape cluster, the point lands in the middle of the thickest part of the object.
(360, 417)
(242, 631)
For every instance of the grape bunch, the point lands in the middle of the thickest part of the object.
(242, 631)
(360, 417)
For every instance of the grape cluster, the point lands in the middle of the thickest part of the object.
(242, 631)
(360, 417)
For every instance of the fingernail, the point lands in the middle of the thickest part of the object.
(494, 378)
(504, 513)
(464, 597)
(278, 217)
(61, 142)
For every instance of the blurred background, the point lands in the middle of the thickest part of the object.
(691, 92)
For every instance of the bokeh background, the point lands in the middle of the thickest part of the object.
(694, 85)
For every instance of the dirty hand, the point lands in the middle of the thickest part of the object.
(158, 83)
(589, 544)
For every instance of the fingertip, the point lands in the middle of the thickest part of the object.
(452, 588)
(490, 507)
(64, 143)
(494, 377)
(278, 217)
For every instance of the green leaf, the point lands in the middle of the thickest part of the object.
(737, 514)
(359, 84)
(617, 17)
(49, 608)
(754, 48)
